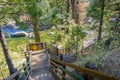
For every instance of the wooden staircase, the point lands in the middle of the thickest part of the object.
(39, 66)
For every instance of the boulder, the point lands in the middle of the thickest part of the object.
(19, 34)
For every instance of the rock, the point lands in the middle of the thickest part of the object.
(45, 27)
(108, 41)
(89, 65)
(30, 35)
(51, 33)
(111, 64)
(118, 74)
(19, 34)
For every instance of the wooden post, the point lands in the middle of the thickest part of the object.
(55, 69)
(24, 70)
(101, 19)
(63, 73)
(27, 56)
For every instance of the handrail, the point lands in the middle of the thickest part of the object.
(54, 50)
(96, 74)
(16, 73)
(68, 72)
(25, 71)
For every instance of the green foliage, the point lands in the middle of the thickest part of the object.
(94, 9)
(96, 56)
(112, 17)
(110, 11)
(53, 12)
(34, 10)
(57, 37)
(45, 37)
(22, 25)
(76, 36)
(78, 31)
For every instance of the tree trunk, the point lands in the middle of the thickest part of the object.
(35, 22)
(101, 19)
(6, 53)
(36, 28)
(73, 7)
(76, 11)
(67, 15)
(67, 9)
(117, 30)
(77, 43)
(36, 32)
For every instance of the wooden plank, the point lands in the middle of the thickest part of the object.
(94, 73)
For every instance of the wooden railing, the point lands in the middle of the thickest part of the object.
(63, 71)
(24, 72)
(53, 49)
(61, 54)
(20, 74)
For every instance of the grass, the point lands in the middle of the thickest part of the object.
(15, 45)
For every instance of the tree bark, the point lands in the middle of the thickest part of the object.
(36, 32)
(35, 23)
(36, 28)
(6, 53)
(77, 38)
(73, 7)
(67, 10)
(101, 19)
